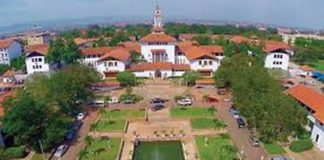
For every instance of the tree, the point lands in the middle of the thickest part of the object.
(203, 40)
(305, 56)
(63, 52)
(190, 77)
(259, 98)
(117, 38)
(3, 68)
(126, 78)
(100, 42)
(136, 57)
(18, 63)
(29, 121)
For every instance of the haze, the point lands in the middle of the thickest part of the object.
(297, 13)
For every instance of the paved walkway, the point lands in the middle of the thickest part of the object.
(240, 137)
(313, 154)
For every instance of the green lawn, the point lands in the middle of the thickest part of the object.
(319, 65)
(274, 148)
(192, 112)
(215, 148)
(123, 114)
(110, 125)
(206, 123)
(101, 149)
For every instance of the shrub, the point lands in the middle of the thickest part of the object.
(301, 145)
(12, 153)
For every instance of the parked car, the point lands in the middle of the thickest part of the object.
(279, 158)
(60, 151)
(235, 113)
(113, 100)
(158, 100)
(255, 141)
(185, 102)
(157, 107)
(127, 101)
(81, 115)
(70, 134)
(76, 125)
(240, 122)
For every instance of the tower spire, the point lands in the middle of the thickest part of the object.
(157, 20)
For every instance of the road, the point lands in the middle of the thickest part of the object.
(240, 137)
(77, 145)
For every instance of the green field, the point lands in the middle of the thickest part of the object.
(101, 149)
(159, 151)
(274, 148)
(109, 125)
(123, 114)
(216, 148)
(192, 112)
(207, 123)
(319, 65)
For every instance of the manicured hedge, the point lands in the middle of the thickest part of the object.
(301, 145)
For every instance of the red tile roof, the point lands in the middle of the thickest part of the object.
(132, 46)
(5, 43)
(196, 52)
(306, 68)
(274, 45)
(157, 38)
(79, 41)
(158, 66)
(96, 51)
(213, 48)
(9, 73)
(310, 98)
(118, 53)
(40, 48)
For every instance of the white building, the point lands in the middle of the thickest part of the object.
(313, 102)
(277, 55)
(35, 59)
(113, 62)
(9, 49)
(90, 56)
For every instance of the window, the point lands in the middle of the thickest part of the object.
(210, 62)
(205, 63)
(115, 63)
(110, 64)
(39, 59)
(200, 63)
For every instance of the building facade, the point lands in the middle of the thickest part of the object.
(35, 59)
(9, 49)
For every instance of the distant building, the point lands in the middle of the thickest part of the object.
(313, 102)
(9, 49)
(38, 38)
(35, 59)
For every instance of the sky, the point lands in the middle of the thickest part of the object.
(295, 13)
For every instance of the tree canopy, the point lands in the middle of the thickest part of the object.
(260, 98)
(126, 78)
(18, 63)
(47, 106)
(190, 77)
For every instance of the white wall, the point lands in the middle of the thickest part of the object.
(90, 60)
(103, 66)
(181, 59)
(36, 64)
(169, 49)
(318, 129)
(144, 74)
(194, 64)
(13, 51)
(270, 60)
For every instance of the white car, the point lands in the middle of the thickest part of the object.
(61, 150)
(113, 100)
(311, 82)
(81, 115)
(185, 102)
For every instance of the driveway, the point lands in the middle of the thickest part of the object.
(240, 137)
(77, 145)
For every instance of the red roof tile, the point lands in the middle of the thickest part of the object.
(40, 48)
(96, 51)
(213, 48)
(273, 45)
(157, 38)
(196, 52)
(118, 53)
(158, 66)
(132, 46)
(5, 43)
(79, 41)
(310, 98)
